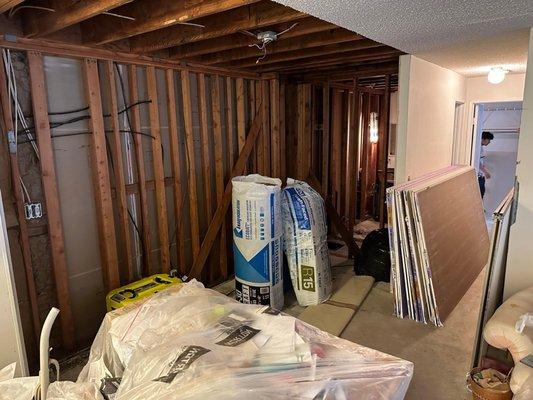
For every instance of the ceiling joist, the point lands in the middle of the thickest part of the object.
(305, 26)
(253, 16)
(39, 23)
(151, 16)
(335, 36)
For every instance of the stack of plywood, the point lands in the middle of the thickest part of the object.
(439, 242)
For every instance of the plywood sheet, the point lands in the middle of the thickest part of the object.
(455, 235)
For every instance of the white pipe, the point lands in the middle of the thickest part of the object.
(44, 352)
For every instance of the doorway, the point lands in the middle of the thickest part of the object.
(502, 120)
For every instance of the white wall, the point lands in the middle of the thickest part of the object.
(519, 273)
(479, 90)
(11, 337)
(427, 97)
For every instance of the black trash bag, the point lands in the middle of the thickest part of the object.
(374, 259)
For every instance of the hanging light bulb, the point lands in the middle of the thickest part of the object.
(374, 129)
(496, 75)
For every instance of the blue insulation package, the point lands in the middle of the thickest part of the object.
(305, 242)
(257, 240)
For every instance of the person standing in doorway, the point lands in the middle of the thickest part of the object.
(483, 173)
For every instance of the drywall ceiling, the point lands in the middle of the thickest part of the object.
(466, 36)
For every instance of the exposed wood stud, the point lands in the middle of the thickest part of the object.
(265, 129)
(216, 91)
(241, 112)
(204, 136)
(336, 130)
(303, 159)
(353, 152)
(260, 148)
(325, 139)
(19, 198)
(189, 136)
(159, 173)
(365, 108)
(275, 149)
(51, 194)
(283, 133)
(175, 159)
(141, 174)
(5, 5)
(127, 274)
(222, 208)
(230, 131)
(383, 150)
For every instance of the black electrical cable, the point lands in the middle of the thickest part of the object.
(105, 115)
(86, 133)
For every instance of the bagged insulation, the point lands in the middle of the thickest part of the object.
(257, 240)
(213, 347)
(305, 242)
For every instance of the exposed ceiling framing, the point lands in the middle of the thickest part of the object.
(207, 32)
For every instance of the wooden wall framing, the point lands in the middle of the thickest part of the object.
(231, 122)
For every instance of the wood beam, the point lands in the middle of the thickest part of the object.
(222, 208)
(330, 37)
(383, 150)
(204, 137)
(133, 91)
(5, 5)
(175, 160)
(100, 172)
(150, 16)
(325, 139)
(191, 157)
(253, 16)
(51, 195)
(159, 173)
(216, 92)
(39, 23)
(274, 128)
(287, 62)
(303, 150)
(365, 70)
(353, 154)
(127, 274)
(305, 26)
(61, 49)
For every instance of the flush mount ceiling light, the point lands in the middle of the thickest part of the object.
(496, 75)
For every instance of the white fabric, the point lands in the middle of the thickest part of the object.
(500, 332)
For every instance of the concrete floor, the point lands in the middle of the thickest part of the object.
(441, 356)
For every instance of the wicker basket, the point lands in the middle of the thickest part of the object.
(480, 393)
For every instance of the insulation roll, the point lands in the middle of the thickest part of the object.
(257, 240)
(306, 245)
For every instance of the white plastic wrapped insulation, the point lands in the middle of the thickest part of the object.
(257, 240)
(305, 242)
(213, 347)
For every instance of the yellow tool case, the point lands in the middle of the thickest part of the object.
(138, 290)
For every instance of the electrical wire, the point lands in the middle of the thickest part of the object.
(59, 135)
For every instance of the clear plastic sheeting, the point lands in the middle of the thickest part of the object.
(188, 342)
(65, 390)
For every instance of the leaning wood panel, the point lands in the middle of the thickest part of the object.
(17, 192)
(100, 172)
(219, 166)
(204, 136)
(51, 195)
(159, 173)
(222, 208)
(325, 139)
(176, 168)
(141, 174)
(189, 136)
(274, 128)
(127, 274)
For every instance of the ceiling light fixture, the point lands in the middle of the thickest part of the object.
(496, 75)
